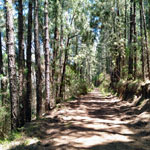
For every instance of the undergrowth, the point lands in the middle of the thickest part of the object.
(11, 137)
(104, 86)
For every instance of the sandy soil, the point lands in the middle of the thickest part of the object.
(93, 122)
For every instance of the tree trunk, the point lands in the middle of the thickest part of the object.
(130, 64)
(1, 55)
(55, 53)
(149, 17)
(61, 55)
(29, 63)
(1, 70)
(135, 40)
(125, 37)
(21, 63)
(76, 53)
(11, 64)
(146, 39)
(38, 61)
(142, 44)
(62, 84)
(4, 86)
(47, 60)
(118, 59)
(125, 23)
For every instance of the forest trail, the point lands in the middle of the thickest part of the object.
(93, 122)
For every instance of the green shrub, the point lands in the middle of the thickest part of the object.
(4, 121)
(104, 83)
(75, 86)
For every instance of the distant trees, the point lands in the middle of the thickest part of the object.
(128, 35)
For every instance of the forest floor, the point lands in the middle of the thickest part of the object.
(93, 121)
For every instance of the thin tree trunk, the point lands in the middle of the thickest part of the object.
(76, 53)
(125, 23)
(149, 17)
(1, 55)
(146, 39)
(21, 62)
(118, 59)
(55, 53)
(142, 44)
(47, 60)
(29, 63)
(11, 64)
(3, 85)
(125, 37)
(130, 64)
(114, 17)
(1, 69)
(135, 40)
(38, 61)
(61, 51)
(55, 40)
(62, 84)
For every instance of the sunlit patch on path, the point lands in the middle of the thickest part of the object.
(94, 122)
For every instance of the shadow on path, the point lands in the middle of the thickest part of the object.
(92, 122)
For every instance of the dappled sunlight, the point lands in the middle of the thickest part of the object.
(93, 122)
(26, 141)
(145, 116)
(88, 131)
(90, 138)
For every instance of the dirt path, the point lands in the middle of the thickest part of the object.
(92, 122)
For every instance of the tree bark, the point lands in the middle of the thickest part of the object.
(55, 53)
(135, 40)
(38, 60)
(130, 63)
(62, 84)
(146, 38)
(11, 64)
(142, 45)
(29, 63)
(118, 60)
(125, 37)
(61, 51)
(1, 55)
(21, 64)
(47, 60)
(1, 70)
(125, 23)
(76, 53)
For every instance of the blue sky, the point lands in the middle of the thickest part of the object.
(1, 4)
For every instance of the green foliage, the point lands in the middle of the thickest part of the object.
(104, 84)
(4, 121)
(3, 113)
(75, 84)
(12, 137)
(4, 107)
